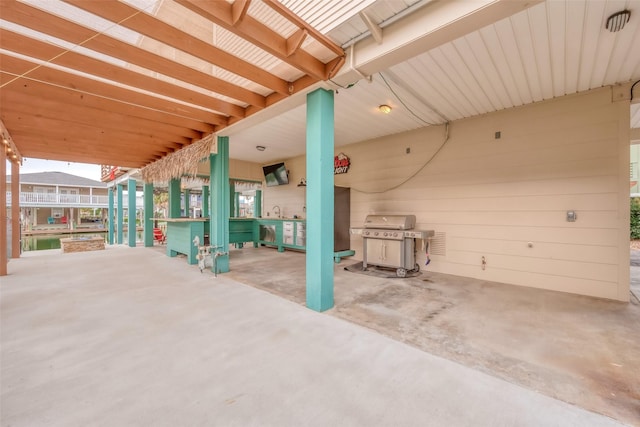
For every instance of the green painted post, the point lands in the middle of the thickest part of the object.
(174, 198)
(132, 228)
(187, 203)
(257, 210)
(257, 204)
(148, 214)
(120, 225)
(205, 201)
(110, 215)
(320, 147)
(236, 202)
(219, 223)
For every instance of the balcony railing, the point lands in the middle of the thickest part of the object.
(72, 200)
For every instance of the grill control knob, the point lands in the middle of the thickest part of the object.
(395, 234)
(376, 233)
(385, 234)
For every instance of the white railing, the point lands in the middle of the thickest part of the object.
(71, 200)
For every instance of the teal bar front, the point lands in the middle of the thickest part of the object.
(148, 214)
(320, 148)
(120, 215)
(205, 201)
(174, 198)
(131, 221)
(111, 216)
(219, 231)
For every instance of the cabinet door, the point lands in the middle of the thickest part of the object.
(287, 233)
(384, 252)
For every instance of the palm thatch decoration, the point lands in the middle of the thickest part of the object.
(180, 163)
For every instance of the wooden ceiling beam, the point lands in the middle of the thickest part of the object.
(34, 143)
(18, 66)
(20, 103)
(39, 20)
(44, 51)
(300, 84)
(136, 20)
(295, 19)
(72, 97)
(54, 142)
(257, 33)
(82, 132)
(239, 10)
(63, 156)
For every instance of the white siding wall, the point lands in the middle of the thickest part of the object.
(488, 197)
(289, 197)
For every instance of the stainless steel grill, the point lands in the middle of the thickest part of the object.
(390, 241)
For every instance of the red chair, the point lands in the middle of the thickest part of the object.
(159, 235)
(63, 220)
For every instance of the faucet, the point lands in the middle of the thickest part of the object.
(274, 209)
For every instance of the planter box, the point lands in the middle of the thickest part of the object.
(81, 244)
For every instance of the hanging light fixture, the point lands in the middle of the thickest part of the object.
(617, 21)
(384, 108)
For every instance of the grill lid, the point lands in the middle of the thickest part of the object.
(390, 222)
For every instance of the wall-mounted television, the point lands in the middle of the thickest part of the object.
(275, 174)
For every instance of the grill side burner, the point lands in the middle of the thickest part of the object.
(389, 241)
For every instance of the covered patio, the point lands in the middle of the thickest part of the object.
(134, 337)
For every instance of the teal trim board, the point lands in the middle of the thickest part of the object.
(147, 214)
(257, 204)
(205, 201)
(131, 210)
(120, 215)
(174, 198)
(320, 148)
(110, 216)
(187, 203)
(236, 201)
(219, 187)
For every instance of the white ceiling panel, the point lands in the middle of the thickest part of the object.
(552, 49)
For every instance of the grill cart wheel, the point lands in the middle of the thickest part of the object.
(401, 272)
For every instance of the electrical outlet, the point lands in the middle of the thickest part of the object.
(498, 134)
(408, 150)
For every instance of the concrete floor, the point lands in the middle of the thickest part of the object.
(131, 337)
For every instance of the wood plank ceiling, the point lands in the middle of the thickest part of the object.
(125, 84)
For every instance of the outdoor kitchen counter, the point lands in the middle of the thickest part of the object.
(281, 232)
(180, 235)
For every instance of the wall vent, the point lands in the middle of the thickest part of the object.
(438, 244)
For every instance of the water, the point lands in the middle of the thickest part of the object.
(52, 241)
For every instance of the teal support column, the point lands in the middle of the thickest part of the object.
(132, 228)
(174, 198)
(236, 202)
(110, 216)
(219, 232)
(187, 203)
(205, 201)
(120, 225)
(257, 204)
(320, 148)
(147, 215)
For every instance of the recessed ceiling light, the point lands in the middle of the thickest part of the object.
(384, 108)
(260, 147)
